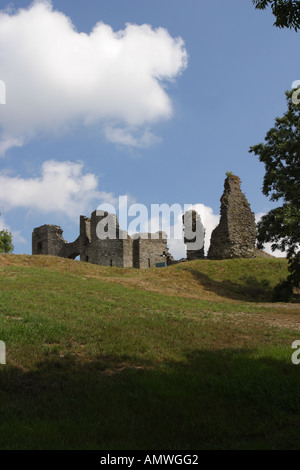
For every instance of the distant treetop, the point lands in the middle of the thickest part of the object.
(6, 245)
(286, 12)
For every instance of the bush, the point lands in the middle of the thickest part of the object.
(6, 245)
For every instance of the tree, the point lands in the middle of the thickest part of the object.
(281, 156)
(6, 245)
(286, 12)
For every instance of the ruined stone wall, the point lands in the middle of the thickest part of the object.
(148, 251)
(47, 240)
(84, 237)
(128, 252)
(110, 253)
(102, 242)
(235, 235)
(71, 250)
(192, 225)
(103, 224)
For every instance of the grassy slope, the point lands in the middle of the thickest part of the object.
(189, 357)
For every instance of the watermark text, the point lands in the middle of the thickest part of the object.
(163, 221)
(296, 354)
(2, 353)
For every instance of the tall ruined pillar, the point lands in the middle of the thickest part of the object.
(193, 235)
(235, 235)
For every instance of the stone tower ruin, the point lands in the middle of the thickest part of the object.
(235, 235)
(194, 233)
(142, 250)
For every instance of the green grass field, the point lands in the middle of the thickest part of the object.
(193, 356)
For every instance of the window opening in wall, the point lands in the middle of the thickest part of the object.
(149, 263)
(111, 262)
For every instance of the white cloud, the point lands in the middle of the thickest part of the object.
(130, 137)
(259, 215)
(16, 234)
(9, 142)
(57, 77)
(62, 187)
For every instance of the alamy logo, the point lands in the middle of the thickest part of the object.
(296, 94)
(163, 221)
(2, 353)
(2, 92)
(296, 354)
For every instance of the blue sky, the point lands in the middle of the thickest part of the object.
(92, 117)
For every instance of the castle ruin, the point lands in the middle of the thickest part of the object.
(234, 237)
(139, 251)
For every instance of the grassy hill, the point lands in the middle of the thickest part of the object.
(193, 356)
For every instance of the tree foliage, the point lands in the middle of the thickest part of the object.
(286, 12)
(6, 245)
(281, 155)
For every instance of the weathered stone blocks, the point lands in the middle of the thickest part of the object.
(102, 242)
(194, 233)
(235, 235)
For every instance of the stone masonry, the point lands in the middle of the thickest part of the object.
(138, 251)
(235, 235)
(192, 225)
